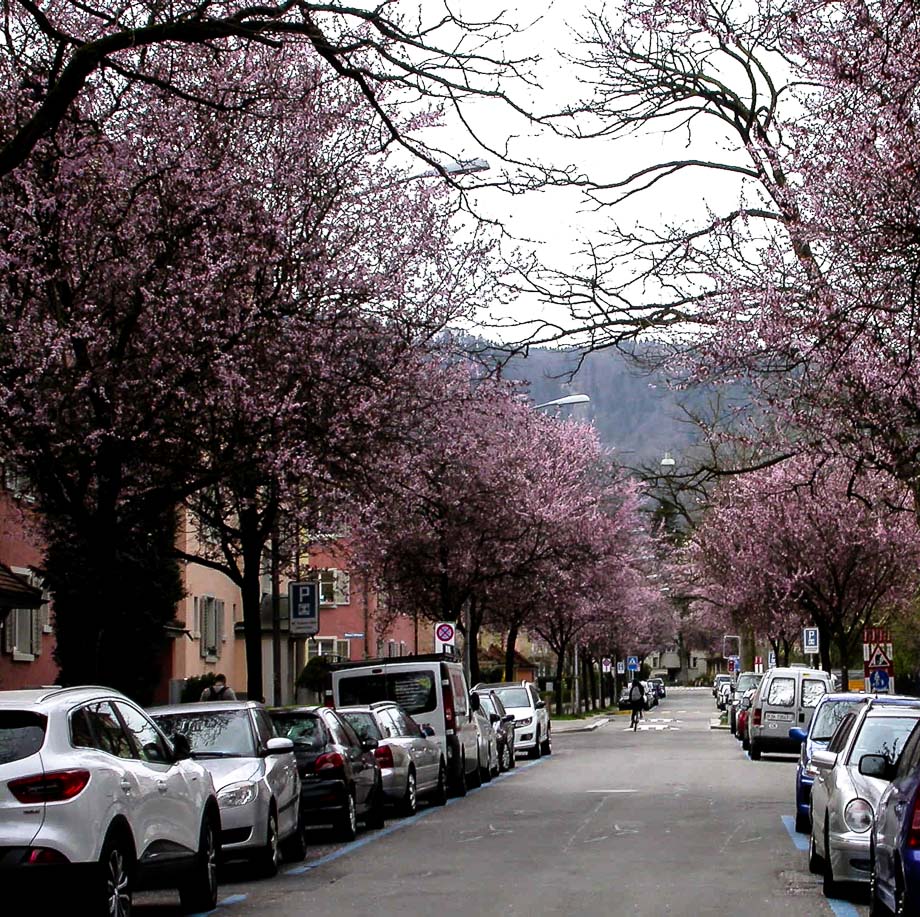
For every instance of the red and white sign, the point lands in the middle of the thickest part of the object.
(445, 636)
(758, 664)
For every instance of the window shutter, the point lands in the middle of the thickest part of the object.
(36, 622)
(341, 586)
(219, 627)
(9, 631)
(205, 608)
(196, 617)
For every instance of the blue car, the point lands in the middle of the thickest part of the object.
(895, 844)
(830, 710)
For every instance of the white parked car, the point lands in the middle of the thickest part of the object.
(92, 791)
(532, 727)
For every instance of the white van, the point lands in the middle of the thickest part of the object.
(784, 700)
(433, 690)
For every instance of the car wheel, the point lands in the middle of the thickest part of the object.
(439, 797)
(475, 778)
(117, 890)
(459, 787)
(547, 746)
(346, 826)
(831, 886)
(754, 751)
(409, 804)
(815, 862)
(496, 764)
(268, 859)
(375, 817)
(802, 822)
(199, 891)
(731, 719)
(504, 761)
(536, 751)
(294, 848)
(485, 774)
(745, 744)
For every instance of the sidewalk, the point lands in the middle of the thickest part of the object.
(588, 724)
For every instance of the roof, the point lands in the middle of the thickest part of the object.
(34, 697)
(205, 706)
(16, 592)
(393, 660)
(497, 654)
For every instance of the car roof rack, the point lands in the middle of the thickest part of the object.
(389, 660)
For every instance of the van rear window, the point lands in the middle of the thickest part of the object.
(812, 691)
(782, 692)
(22, 733)
(413, 691)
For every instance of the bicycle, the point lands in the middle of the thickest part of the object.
(636, 716)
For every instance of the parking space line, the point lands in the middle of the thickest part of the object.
(396, 826)
(230, 899)
(840, 907)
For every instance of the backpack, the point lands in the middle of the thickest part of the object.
(635, 692)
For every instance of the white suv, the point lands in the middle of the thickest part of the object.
(91, 790)
(532, 727)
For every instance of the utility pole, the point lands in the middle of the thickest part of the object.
(276, 605)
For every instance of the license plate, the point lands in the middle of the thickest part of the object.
(782, 717)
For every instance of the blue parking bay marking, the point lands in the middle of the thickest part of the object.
(230, 899)
(383, 832)
(837, 905)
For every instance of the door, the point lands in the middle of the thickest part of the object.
(170, 809)
(280, 774)
(425, 755)
(467, 731)
(778, 715)
(363, 764)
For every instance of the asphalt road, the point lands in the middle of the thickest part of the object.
(674, 819)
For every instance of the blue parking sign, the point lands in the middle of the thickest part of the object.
(303, 602)
(632, 663)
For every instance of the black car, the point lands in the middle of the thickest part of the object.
(503, 724)
(340, 777)
(658, 685)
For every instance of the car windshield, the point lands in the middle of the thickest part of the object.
(513, 697)
(746, 682)
(829, 714)
(222, 734)
(21, 734)
(883, 735)
(303, 729)
(363, 723)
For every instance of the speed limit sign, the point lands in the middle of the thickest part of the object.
(445, 635)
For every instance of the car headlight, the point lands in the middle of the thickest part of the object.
(525, 722)
(858, 815)
(237, 794)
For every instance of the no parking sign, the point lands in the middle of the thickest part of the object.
(445, 637)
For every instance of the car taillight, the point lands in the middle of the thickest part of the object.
(43, 856)
(384, 755)
(330, 761)
(449, 714)
(757, 715)
(913, 835)
(55, 786)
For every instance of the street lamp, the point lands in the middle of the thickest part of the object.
(566, 399)
(668, 461)
(460, 167)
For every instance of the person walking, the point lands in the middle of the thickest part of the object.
(636, 701)
(220, 690)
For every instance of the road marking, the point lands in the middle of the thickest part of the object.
(840, 907)
(610, 791)
(230, 899)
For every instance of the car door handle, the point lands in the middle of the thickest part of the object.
(162, 786)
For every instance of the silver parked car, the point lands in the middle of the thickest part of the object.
(409, 756)
(847, 789)
(489, 761)
(254, 773)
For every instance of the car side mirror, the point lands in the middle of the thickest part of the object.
(278, 746)
(474, 701)
(182, 748)
(508, 718)
(540, 705)
(824, 759)
(427, 731)
(797, 734)
(369, 744)
(876, 766)
(494, 718)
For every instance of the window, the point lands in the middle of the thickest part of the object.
(211, 625)
(226, 733)
(842, 733)
(461, 695)
(414, 690)
(17, 483)
(304, 730)
(781, 693)
(341, 733)
(405, 727)
(883, 735)
(97, 726)
(830, 714)
(23, 629)
(334, 587)
(22, 734)
(910, 758)
(812, 690)
(364, 724)
(328, 646)
(147, 740)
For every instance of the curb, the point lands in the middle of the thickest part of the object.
(716, 723)
(589, 727)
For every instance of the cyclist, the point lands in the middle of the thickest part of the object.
(636, 701)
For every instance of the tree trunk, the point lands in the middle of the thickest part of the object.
(560, 668)
(825, 646)
(473, 637)
(510, 647)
